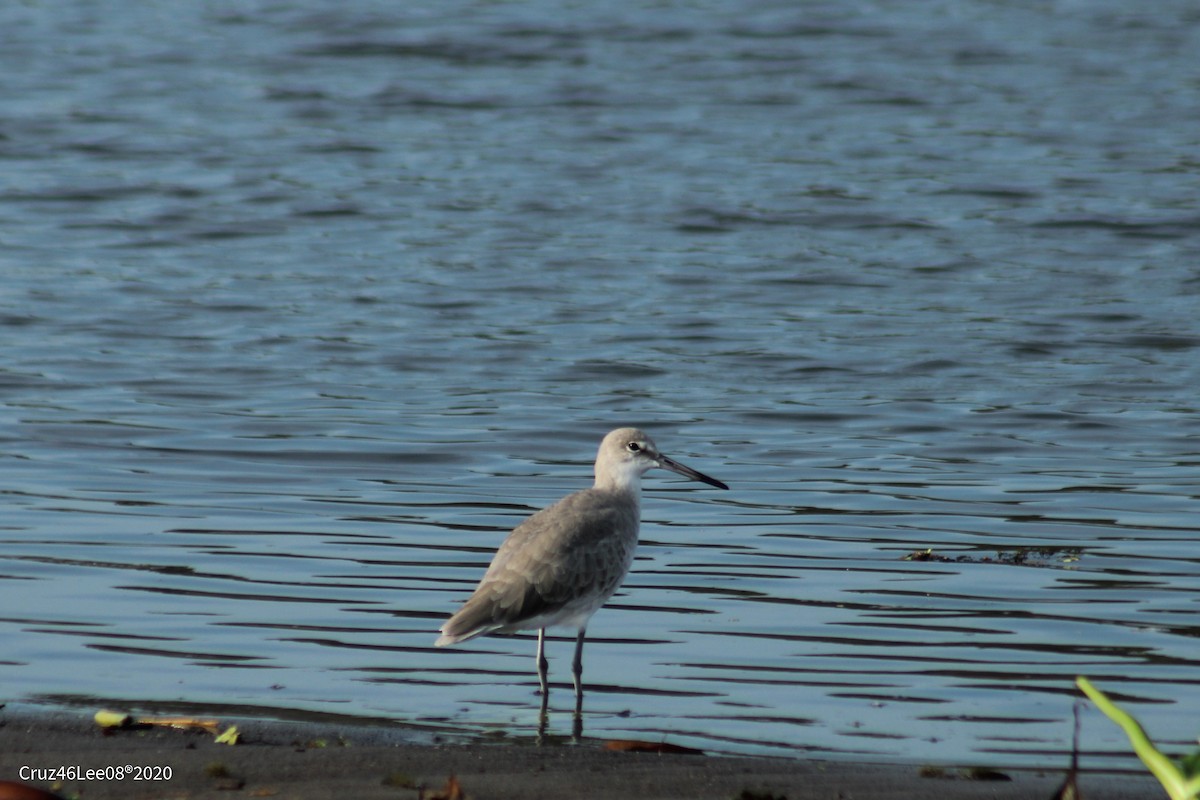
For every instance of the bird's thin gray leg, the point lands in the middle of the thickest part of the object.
(577, 672)
(543, 674)
(543, 666)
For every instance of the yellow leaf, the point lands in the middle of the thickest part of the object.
(112, 719)
(230, 736)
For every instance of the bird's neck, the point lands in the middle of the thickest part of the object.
(620, 482)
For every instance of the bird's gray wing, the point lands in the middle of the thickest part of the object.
(579, 547)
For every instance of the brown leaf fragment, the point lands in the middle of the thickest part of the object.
(452, 791)
(12, 790)
(184, 723)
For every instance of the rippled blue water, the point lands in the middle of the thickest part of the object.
(304, 306)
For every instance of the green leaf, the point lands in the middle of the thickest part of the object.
(1159, 765)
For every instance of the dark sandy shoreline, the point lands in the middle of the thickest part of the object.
(312, 761)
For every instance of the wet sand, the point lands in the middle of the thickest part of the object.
(318, 761)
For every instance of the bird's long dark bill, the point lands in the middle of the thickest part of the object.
(675, 466)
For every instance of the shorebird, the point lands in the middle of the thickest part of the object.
(562, 564)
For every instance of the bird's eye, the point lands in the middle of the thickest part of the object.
(633, 447)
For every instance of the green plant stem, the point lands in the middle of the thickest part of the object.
(1161, 767)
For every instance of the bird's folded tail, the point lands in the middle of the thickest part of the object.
(497, 608)
(451, 638)
(463, 626)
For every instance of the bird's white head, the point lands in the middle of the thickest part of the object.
(627, 453)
